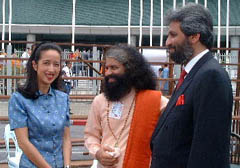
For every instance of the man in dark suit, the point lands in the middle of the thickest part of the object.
(194, 130)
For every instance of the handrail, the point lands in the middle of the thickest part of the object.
(92, 78)
(71, 60)
(103, 62)
(72, 117)
(78, 78)
(58, 43)
(235, 135)
(98, 45)
(5, 97)
(90, 97)
(72, 78)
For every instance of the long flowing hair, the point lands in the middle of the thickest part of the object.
(138, 69)
(30, 87)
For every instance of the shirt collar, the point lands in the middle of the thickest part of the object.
(50, 92)
(193, 61)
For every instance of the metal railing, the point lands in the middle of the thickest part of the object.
(87, 76)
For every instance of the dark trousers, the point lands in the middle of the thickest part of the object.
(68, 87)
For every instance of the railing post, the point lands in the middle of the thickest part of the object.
(235, 124)
(103, 67)
(96, 66)
(9, 70)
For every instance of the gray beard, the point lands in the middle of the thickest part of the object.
(182, 53)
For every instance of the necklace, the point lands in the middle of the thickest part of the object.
(124, 126)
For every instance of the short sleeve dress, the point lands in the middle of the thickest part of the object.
(45, 118)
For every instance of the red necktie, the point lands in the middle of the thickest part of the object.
(181, 79)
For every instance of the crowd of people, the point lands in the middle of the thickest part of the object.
(131, 124)
(17, 63)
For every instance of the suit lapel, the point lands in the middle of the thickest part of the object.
(181, 89)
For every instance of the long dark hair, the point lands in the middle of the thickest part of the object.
(138, 69)
(30, 87)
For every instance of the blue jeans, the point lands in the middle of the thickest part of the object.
(68, 87)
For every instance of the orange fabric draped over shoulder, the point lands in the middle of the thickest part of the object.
(146, 115)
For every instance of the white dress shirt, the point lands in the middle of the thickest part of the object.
(193, 61)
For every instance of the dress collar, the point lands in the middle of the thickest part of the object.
(50, 92)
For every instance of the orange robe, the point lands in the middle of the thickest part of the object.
(146, 115)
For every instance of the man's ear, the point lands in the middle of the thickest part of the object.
(193, 39)
(34, 64)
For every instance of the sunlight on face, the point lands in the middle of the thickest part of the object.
(47, 68)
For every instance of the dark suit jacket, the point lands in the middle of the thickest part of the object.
(197, 133)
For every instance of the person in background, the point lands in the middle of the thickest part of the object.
(39, 112)
(2, 55)
(78, 54)
(122, 118)
(16, 64)
(67, 72)
(84, 54)
(194, 130)
(160, 70)
(26, 54)
(164, 87)
(76, 67)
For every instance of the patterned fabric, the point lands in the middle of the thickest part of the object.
(45, 118)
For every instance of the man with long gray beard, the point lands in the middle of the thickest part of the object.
(122, 119)
(194, 130)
